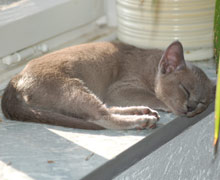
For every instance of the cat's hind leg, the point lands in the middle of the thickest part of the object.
(80, 101)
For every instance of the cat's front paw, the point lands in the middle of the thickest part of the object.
(147, 121)
(142, 110)
(134, 110)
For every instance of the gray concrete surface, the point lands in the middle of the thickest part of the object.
(189, 156)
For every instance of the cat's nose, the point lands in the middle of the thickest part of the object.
(191, 108)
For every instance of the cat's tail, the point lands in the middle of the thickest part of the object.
(15, 109)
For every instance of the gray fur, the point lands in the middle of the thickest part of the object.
(107, 85)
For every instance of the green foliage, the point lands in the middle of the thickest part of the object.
(217, 50)
(217, 31)
(217, 110)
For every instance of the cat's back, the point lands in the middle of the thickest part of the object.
(99, 60)
(96, 64)
(90, 54)
(99, 53)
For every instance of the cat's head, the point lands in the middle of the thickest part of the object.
(184, 88)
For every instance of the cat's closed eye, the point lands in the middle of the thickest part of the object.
(185, 90)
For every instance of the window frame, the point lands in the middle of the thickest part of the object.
(45, 23)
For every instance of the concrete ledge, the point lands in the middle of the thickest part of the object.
(143, 148)
(188, 156)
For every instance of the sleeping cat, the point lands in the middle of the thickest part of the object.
(107, 85)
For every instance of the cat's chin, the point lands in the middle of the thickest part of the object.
(199, 108)
(186, 113)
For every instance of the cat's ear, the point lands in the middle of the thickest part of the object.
(172, 59)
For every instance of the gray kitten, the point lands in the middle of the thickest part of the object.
(107, 85)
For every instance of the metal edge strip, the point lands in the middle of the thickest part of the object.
(137, 152)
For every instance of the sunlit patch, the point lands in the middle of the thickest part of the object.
(25, 82)
(11, 5)
(20, 83)
(107, 146)
(25, 98)
(7, 172)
